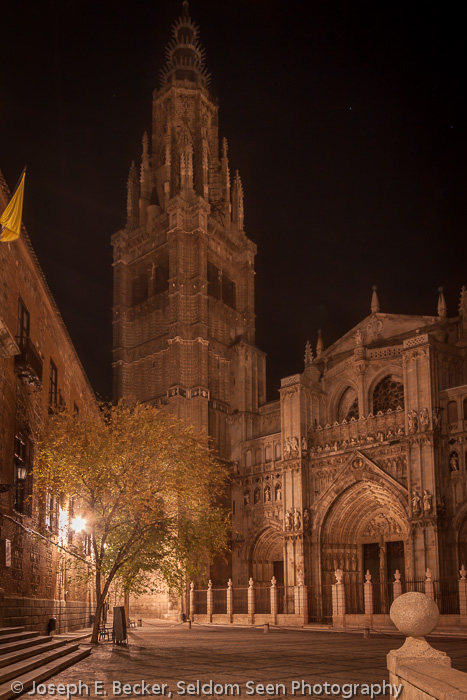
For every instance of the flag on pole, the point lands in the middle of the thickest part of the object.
(10, 220)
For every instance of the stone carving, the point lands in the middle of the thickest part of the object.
(463, 572)
(296, 519)
(368, 576)
(416, 508)
(374, 327)
(454, 461)
(256, 497)
(209, 584)
(294, 447)
(192, 586)
(339, 574)
(287, 449)
(413, 421)
(424, 420)
(397, 575)
(229, 583)
(288, 520)
(267, 494)
(437, 418)
(440, 504)
(300, 578)
(246, 498)
(380, 436)
(427, 502)
(278, 490)
(251, 583)
(358, 338)
(306, 519)
(428, 575)
(273, 582)
(304, 444)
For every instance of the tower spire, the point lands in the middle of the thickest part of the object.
(375, 300)
(442, 307)
(184, 54)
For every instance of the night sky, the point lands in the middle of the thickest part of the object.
(346, 120)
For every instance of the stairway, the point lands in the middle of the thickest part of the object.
(27, 657)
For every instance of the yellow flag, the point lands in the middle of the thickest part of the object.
(10, 220)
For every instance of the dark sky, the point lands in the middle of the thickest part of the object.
(346, 120)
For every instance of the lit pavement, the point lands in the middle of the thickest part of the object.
(164, 653)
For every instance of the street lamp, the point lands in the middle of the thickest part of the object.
(78, 524)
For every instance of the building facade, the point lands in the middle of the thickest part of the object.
(39, 370)
(360, 464)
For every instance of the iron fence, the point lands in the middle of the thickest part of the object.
(240, 601)
(263, 600)
(219, 601)
(200, 601)
(286, 600)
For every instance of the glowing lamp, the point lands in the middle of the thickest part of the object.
(78, 524)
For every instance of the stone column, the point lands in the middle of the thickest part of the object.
(209, 601)
(338, 600)
(429, 585)
(274, 600)
(301, 599)
(230, 600)
(191, 612)
(397, 585)
(368, 598)
(251, 601)
(463, 595)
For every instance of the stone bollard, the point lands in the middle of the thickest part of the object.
(415, 615)
(189, 624)
(366, 633)
(266, 627)
(230, 600)
(209, 605)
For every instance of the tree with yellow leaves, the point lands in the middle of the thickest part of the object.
(148, 488)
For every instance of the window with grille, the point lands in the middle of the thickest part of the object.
(53, 384)
(23, 325)
(388, 394)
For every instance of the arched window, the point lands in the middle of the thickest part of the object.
(348, 405)
(268, 453)
(388, 394)
(277, 450)
(248, 459)
(452, 412)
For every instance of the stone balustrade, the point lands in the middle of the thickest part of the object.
(423, 672)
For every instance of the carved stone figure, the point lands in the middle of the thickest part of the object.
(436, 418)
(278, 492)
(267, 494)
(296, 519)
(424, 420)
(287, 448)
(413, 421)
(397, 575)
(338, 573)
(306, 519)
(288, 520)
(294, 447)
(246, 498)
(427, 502)
(256, 496)
(368, 576)
(380, 436)
(416, 508)
(300, 578)
(454, 461)
(358, 338)
(304, 444)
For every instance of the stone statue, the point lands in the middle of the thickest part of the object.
(358, 338)
(296, 519)
(454, 462)
(424, 419)
(427, 502)
(267, 494)
(273, 582)
(288, 520)
(300, 578)
(304, 444)
(413, 421)
(306, 519)
(437, 419)
(416, 502)
(380, 436)
(256, 496)
(287, 448)
(294, 447)
(246, 498)
(339, 575)
(368, 576)
(278, 492)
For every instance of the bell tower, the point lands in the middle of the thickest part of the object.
(183, 314)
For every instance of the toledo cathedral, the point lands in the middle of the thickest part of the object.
(360, 464)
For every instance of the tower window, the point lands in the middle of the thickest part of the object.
(228, 291)
(22, 475)
(388, 394)
(214, 281)
(53, 384)
(22, 333)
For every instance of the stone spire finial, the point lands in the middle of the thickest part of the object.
(308, 354)
(145, 142)
(442, 308)
(225, 148)
(184, 54)
(374, 300)
(320, 343)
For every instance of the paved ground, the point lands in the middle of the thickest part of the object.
(172, 654)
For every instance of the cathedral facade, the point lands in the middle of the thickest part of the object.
(360, 465)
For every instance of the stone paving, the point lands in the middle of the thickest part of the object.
(171, 654)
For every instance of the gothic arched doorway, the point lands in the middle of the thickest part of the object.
(267, 557)
(365, 528)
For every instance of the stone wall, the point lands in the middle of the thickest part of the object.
(34, 614)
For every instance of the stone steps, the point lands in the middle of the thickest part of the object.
(28, 659)
(10, 630)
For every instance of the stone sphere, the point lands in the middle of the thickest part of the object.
(414, 614)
